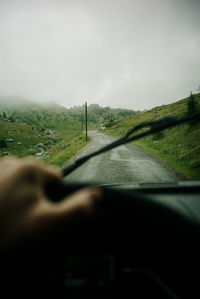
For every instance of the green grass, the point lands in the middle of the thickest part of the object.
(179, 148)
(65, 150)
(28, 136)
(26, 123)
(25, 138)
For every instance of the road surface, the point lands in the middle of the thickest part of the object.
(126, 164)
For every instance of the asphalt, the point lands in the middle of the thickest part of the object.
(126, 164)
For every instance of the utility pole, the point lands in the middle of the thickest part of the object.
(82, 120)
(86, 120)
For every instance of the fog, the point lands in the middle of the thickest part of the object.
(120, 53)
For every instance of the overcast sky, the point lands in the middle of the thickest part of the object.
(120, 53)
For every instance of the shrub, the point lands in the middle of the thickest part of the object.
(109, 123)
(158, 136)
(3, 143)
(191, 105)
(11, 119)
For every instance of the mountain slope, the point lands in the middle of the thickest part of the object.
(45, 131)
(48, 131)
(178, 147)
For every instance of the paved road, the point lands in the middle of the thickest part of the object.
(125, 164)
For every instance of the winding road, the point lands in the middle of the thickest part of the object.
(126, 164)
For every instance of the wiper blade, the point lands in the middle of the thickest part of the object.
(156, 126)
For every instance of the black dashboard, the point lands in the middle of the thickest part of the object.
(141, 241)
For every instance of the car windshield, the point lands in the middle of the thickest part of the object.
(77, 75)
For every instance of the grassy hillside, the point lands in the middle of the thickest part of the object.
(45, 132)
(45, 116)
(51, 115)
(48, 131)
(178, 147)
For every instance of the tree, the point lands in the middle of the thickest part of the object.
(3, 143)
(191, 105)
(11, 119)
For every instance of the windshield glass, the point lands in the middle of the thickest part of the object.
(77, 75)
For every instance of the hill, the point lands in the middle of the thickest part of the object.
(51, 115)
(45, 131)
(178, 147)
(100, 116)
(48, 131)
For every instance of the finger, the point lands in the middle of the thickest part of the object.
(29, 170)
(38, 172)
(7, 165)
(76, 207)
(81, 202)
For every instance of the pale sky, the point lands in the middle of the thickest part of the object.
(120, 53)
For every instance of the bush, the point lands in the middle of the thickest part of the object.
(3, 143)
(191, 105)
(192, 109)
(158, 136)
(109, 123)
(11, 119)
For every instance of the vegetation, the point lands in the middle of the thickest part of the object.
(3, 143)
(100, 116)
(191, 105)
(48, 131)
(178, 147)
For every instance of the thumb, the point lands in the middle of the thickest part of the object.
(75, 207)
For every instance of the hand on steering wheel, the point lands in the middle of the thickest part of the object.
(25, 209)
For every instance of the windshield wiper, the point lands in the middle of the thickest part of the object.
(154, 127)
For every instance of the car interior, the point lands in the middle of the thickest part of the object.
(141, 241)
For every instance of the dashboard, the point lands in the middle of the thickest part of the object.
(142, 240)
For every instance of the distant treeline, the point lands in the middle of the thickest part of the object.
(52, 115)
(101, 116)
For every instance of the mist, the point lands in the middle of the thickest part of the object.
(119, 53)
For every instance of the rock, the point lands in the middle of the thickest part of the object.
(6, 154)
(155, 142)
(19, 143)
(39, 154)
(40, 145)
(50, 133)
(179, 145)
(10, 140)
